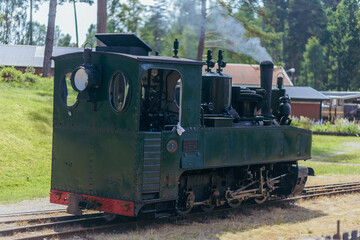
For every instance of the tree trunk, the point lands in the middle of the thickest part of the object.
(200, 49)
(263, 29)
(338, 84)
(283, 43)
(49, 43)
(101, 19)
(31, 24)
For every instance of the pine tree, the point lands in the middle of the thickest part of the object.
(155, 30)
(313, 64)
(274, 19)
(125, 16)
(13, 15)
(344, 45)
(306, 18)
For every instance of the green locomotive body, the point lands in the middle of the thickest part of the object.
(141, 137)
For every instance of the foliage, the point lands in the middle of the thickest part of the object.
(90, 35)
(17, 78)
(305, 19)
(155, 28)
(339, 126)
(13, 20)
(344, 44)
(275, 13)
(10, 74)
(65, 41)
(124, 16)
(313, 64)
(39, 34)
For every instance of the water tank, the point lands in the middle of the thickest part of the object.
(216, 92)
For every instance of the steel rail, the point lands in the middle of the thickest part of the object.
(32, 213)
(353, 188)
(332, 185)
(311, 192)
(37, 227)
(49, 219)
(332, 188)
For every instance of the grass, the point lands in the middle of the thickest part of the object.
(336, 149)
(329, 151)
(323, 168)
(25, 141)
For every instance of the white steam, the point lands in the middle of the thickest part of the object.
(233, 36)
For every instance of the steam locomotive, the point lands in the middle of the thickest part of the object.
(154, 135)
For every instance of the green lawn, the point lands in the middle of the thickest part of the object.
(323, 168)
(336, 149)
(329, 151)
(25, 141)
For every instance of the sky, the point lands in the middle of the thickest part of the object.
(86, 15)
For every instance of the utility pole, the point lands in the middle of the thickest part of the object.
(76, 25)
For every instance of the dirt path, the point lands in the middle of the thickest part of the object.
(308, 219)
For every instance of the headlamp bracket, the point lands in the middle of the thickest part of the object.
(90, 79)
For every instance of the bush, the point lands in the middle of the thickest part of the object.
(30, 69)
(18, 79)
(29, 77)
(303, 122)
(340, 125)
(10, 74)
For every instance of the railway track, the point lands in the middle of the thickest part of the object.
(331, 189)
(31, 213)
(68, 226)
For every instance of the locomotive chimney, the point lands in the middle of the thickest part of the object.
(266, 75)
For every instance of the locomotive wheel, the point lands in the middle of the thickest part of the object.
(189, 204)
(260, 200)
(213, 197)
(234, 203)
(207, 208)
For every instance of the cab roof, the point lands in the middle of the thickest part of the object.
(149, 59)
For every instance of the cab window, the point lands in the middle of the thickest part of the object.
(160, 99)
(119, 92)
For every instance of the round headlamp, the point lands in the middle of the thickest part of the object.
(84, 77)
(81, 79)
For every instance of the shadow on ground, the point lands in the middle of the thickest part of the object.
(213, 227)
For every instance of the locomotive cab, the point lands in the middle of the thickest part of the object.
(110, 107)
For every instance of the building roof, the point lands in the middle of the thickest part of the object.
(343, 95)
(304, 93)
(245, 74)
(25, 55)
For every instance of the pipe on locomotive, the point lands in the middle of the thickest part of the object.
(266, 75)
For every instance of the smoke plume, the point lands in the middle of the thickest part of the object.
(233, 36)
